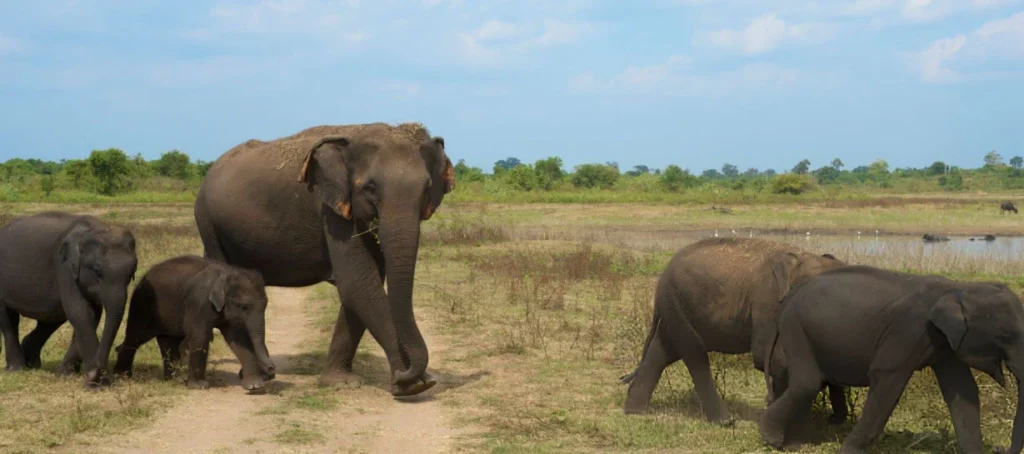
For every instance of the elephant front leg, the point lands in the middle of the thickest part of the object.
(9, 321)
(883, 395)
(348, 331)
(960, 392)
(198, 351)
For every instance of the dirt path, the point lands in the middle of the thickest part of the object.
(224, 419)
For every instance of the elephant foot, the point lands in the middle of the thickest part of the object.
(67, 369)
(772, 436)
(95, 381)
(33, 363)
(836, 419)
(197, 384)
(267, 376)
(340, 378)
(426, 382)
(14, 367)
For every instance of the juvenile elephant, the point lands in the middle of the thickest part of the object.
(876, 329)
(57, 267)
(181, 300)
(721, 295)
(341, 204)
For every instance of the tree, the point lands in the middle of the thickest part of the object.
(730, 171)
(47, 183)
(879, 167)
(751, 172)
(464, 172)
(675, 178)
(937, 168)
(202, 168)
(173, 164)
(837, 164)
(111, 169)
(522, 177)
(1017, 162)
(827, 174)
(639, 170)
(770, 173)
(79, 171)
(505, 164)
(595, 176)
(711, 174)
(802, 167)
(993, 159)
(549, 171)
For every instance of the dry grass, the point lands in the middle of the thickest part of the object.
(553, 302)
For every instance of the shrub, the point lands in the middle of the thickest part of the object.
(111, 169)
(675, 178)
(522, 177)
(790, 183)
(595, 176)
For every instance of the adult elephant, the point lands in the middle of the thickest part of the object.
(721, 295)
(57, 267)
(341, 204)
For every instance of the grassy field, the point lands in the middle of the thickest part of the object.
(552, 303)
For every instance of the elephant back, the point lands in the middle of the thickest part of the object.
(287, 153)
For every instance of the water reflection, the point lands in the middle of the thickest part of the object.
(1009, 248)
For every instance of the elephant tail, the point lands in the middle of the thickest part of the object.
(655, 324)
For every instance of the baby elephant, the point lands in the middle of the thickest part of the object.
(720, 295)
(876, 329)
(183, 299)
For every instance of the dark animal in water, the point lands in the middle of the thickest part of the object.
(986, 238)
(1007, 206)
(929, 238)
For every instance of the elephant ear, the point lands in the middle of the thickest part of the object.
(70, 251)
(324, 171)
(782, 272)
(448, 171)
(218, 292)
(949, 317)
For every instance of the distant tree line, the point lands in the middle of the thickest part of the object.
(112, 171)
(106, 172)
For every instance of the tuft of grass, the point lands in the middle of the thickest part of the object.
(296, 434)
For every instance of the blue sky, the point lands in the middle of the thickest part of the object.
(755, 83)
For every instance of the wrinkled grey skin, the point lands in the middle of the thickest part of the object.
(57, 267)
(879, 327)
(299, 222)
(719, 295)
(181, 300)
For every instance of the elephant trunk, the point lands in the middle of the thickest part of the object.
(258, 334)
(1017, 438)
(399, 239)
(113, 304)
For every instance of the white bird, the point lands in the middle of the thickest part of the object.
(733, 232)
(751, 233)
(716, 233)
(858, 233)
(808, 233)
(876, 232)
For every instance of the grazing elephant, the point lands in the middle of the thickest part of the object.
(876, 329)
(341, 204)
(1007, 206)
(181, 300)
(57, 267)
(720, 295)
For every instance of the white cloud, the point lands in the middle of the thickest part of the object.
(929, 10)
(676, 76)
(766, 33)
(947, 59)
(496, 43)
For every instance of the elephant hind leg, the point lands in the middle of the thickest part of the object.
(643, 381)
(9, 321)
(348, 332)
(683, 339)
(804, 383)
(33, 343)
(170, 351)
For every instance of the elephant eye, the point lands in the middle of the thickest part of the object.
(370, 188)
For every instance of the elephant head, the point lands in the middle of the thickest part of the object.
(238, 297)
(398, 179)
(983, 324)
(100, 260)
(790, 269)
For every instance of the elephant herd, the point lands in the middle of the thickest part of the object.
(343, 204)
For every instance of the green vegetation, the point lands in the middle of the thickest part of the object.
(112, 176)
